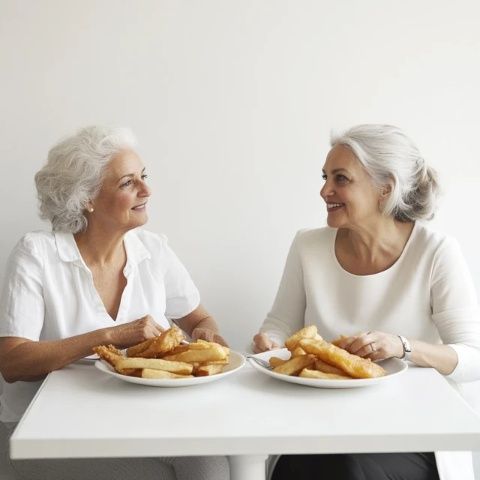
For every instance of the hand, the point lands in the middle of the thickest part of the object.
(209, 335)
(374, 345)
(262, 343)
(131, 333)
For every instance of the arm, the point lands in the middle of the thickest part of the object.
(456, 315)
(28, 360)
(380, 346)
(200, 324)
(288, 311)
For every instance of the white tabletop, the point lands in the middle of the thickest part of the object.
(82, 412)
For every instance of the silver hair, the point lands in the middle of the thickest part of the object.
(389, 156)
(74, 172)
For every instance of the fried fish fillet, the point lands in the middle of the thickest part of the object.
(353, 365)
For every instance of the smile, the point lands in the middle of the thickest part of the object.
(140, 207)
(334, 206)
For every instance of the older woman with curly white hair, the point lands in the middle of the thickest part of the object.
(377, 270)
(94, 279)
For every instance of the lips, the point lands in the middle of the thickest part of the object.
(140, 207)
(334, 206)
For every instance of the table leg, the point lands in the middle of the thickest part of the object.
(247, 467)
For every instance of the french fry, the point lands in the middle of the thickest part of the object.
(166, 356)
(353, 365)
(298, 351)
(295, 365)
(140, 347)
(164, 343)
(180, 368)
(215, 352)
(306, 332)
(205, 370)
(150, 373)
(276, 362)
(307, 373)
(324, 367)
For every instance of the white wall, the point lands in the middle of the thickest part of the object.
(233, 102)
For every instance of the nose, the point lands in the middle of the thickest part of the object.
(326, 190)
(144, 190)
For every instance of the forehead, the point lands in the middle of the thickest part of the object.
(341, 157)
(123, 163)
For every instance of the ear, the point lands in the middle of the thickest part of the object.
(386, 190)
(89, 207)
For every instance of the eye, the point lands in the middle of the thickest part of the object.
(324, 176)
(126, 184)
(341, 179)
(144, 176)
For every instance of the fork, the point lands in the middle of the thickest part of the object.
(262, 363)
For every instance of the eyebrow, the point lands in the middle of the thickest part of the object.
(129, 175)
(336, 170)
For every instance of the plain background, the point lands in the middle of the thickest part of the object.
(233, 103)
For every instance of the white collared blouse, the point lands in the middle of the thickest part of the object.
(49, 294)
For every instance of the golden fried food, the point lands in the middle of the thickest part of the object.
(276, 362)
(295, 365)
(112, 356)
(164, 343)
(140, 347)
(205, 370)
(166, 356)
(180, 368)
(298, 351)
(213, 353)
(307, 373)
(151, 373)
(306, 332)
(353, 365)
(327, 368)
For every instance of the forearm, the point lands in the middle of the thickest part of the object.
(441, 357)
(199, 318)
(32, 360)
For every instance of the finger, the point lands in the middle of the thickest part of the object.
(219, 339)
(262, 342)
(344, 342)
(360, 343)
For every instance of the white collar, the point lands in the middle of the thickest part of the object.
(68, 250)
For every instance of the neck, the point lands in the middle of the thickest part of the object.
(99, 247)
(385, 237)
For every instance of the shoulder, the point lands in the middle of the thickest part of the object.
(142, 244)
(35, 242)
(149, 239)
(314, 237)
(427, 239)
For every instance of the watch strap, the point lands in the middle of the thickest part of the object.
(407, 349)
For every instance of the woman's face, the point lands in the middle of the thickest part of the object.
(121, 203)
(352, 198)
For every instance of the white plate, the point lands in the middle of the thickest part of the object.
(237, 361)
(393, 366)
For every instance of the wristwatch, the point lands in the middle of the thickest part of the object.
(407, 349)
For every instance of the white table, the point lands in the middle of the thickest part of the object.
(82, 412)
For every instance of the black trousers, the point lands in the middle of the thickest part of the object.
(357, 466)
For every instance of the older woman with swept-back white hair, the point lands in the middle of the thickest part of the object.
(377, 270)
(95, 279)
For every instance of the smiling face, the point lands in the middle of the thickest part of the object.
(122, 200)
(351, 196)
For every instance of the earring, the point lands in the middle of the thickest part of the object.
(91, 209)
